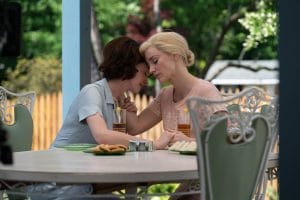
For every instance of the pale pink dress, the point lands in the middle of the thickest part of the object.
(164, 106)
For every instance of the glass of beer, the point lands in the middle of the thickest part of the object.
(119, 120)
(183, 121)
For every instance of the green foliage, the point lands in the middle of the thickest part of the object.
(272, 193)
(202, 21)
(193, 21)
(162, 189)
(261, 25)
(39, 74)
(41, 28)
(41, 34)
(112, 16)
(42, 23)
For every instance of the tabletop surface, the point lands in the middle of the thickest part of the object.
(74, 166)
(77, 167)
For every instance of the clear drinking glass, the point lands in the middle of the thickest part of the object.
(183, 121)
(119, 120)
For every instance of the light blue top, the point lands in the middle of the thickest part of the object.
(93, 98)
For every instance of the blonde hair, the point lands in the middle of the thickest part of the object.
(172, 43)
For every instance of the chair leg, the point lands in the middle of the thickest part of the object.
(261, 188)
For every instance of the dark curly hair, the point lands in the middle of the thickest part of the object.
(120, 57)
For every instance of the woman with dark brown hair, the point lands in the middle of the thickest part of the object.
(90, 117)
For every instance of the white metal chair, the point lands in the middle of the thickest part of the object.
(16, 115)
(234, 138)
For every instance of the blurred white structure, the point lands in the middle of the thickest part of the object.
(232, 74)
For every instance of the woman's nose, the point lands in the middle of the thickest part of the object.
(151, 69)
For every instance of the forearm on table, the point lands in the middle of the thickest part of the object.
(141, 123)
(132, 121)
(103, 135)
(113, 137)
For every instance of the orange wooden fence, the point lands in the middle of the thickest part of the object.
(47, 119)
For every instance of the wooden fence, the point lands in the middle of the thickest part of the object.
(47, 119)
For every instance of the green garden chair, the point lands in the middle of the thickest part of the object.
(234, 140)
(16, 117)
(21, 131)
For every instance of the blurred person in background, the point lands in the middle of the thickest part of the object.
(139, 29)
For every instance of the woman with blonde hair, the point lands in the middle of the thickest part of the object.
(168, 56)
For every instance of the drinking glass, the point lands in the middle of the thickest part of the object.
(119, 120)
(183, 121)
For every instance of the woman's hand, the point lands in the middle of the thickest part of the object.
(164, 139)
(127, 104)
(180, 137)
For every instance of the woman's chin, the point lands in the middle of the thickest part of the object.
(161, 81)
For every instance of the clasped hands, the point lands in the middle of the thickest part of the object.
(126, 103)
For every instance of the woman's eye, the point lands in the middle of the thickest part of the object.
(153, 61)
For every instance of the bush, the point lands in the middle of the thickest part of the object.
(162, 189)
(41, 75)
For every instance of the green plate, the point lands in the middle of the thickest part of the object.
(77, 147)
(188, 152)
(174, 150)
(89, 150)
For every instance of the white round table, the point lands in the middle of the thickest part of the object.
(134, 168)
(77, 167)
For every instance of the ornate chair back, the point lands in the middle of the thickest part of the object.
(234, 140)
(16, 118)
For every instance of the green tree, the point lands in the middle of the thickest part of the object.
(38, 74)
(41, 28)
(261, 25)
(112, 16)
(213, 30)
(41, 36)
(41, 39)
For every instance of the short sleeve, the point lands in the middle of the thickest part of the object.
(90, 101)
